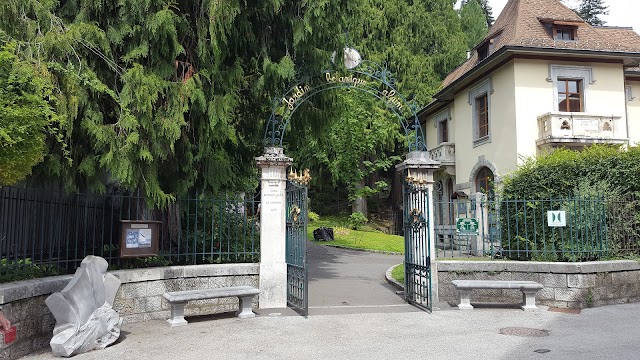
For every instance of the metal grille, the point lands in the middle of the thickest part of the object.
(596, 228)
(417, 247)
(450, 243)
(47, 233)
(296, 248)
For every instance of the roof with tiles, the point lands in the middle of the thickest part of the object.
(527, 24)
(633, 70)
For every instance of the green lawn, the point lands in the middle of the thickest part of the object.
(367, 238)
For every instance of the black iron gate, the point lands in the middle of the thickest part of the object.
(296, 216)
(417, 244)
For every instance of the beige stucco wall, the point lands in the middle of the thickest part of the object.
(431, 131)
(633, 112)
(535, 97)
(501, 151)
(521, 93)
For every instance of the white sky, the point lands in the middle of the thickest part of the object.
(621, 12)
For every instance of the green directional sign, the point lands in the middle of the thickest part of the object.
(466, 226)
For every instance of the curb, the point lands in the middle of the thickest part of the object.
(355, 249)
(391, 280)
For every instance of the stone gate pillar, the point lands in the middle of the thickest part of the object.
(273, 266)
(420, 167)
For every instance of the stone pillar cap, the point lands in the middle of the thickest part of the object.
(418, 160)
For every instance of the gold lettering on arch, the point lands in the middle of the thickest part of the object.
(298, 92)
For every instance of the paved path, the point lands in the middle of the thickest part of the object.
(374, 323)
(347, 281)
(601, 333)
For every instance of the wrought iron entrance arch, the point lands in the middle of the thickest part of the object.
(379, 82)
(368, 77)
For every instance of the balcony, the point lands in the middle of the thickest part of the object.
(445, 153)
(579, 129)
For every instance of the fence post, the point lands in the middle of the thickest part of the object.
(420, 167)
(273, 267)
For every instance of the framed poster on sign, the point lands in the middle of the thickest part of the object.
(139, 238)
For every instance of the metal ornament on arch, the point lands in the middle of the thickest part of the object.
(283, 267)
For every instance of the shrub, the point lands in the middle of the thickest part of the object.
(592, 186)
(313, 216)
(357, 220)
(24, 269)
(556, 174)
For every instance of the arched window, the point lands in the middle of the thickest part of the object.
(484, 180)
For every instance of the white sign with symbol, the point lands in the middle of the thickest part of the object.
(557, 218)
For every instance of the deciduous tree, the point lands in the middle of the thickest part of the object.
(419, 42)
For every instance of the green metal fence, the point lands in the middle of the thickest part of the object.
(46, 233)
(581, 228)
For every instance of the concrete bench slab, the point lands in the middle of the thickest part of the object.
(178, 300)
(528, 288)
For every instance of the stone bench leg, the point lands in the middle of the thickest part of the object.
(465, 301)
(529, 300)
(245, 307)
(177, 314)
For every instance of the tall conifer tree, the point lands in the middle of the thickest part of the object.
(474, 24)
(591, 10)
(486, 9)
(163, 96)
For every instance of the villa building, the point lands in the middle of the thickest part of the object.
(542, 78)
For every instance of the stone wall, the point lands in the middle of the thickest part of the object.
(566, 285)
(138, 299)
(140, 295)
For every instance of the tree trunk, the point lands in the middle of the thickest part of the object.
(360, 203)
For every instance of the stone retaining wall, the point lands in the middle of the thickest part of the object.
(138, 299)
(566, 285)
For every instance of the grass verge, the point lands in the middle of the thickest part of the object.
(398, 273)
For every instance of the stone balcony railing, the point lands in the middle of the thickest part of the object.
(445, 153)
(580, 128)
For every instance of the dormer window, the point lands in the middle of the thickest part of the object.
(564, 33)
(486, 48)
(483, 51)
(562, 30)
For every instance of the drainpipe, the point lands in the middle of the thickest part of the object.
(626, 112)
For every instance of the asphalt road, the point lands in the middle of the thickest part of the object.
(348, 281)
(600, 333)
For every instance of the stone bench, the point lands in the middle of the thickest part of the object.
(178, 300)
(528, 288)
